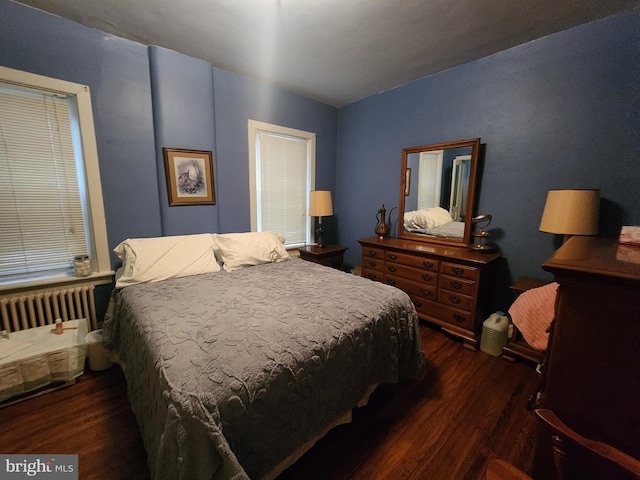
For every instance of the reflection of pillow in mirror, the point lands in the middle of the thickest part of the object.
(408, 220)
(410, 225)
(160, 258)
(237, 250)
(431, 217)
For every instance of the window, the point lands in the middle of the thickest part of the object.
(281, 175)
(50, 195)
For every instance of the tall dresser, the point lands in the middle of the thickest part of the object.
(592, 377)
(449, 286)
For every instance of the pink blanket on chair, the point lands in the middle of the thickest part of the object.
(533, 312)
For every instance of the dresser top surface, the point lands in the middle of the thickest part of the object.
(598, 256)
(444, 251)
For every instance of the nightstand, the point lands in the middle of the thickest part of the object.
(329, 255)
(517, 346)
(527, 283)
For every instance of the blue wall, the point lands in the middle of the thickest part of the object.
(148, 98)
(117, 72)
(559, 112)
(239, 99)
(182, 89)
(144, 99)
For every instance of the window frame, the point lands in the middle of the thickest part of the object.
(98, 241)
(253, 127)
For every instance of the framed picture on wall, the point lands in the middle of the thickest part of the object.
(189, 176)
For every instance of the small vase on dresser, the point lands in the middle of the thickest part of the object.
(449, 286)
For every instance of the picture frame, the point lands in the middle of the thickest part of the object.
(189, 176)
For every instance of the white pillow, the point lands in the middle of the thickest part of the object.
(159, 258)
(237, 250)
(429, 218)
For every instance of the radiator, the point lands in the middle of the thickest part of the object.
(37, 308)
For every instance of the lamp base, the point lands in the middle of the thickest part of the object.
(481, 248)
(319, 232)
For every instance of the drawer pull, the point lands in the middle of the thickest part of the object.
(391, 268)
(456, 285)
(372, 276)
(454, 300)
(373, 263)
(391, 282)
(457, 270)
(426, 292)
(393, 256)
(373, 253)
(417, 303)
(427, 264)
(427, 278)
(458, 318)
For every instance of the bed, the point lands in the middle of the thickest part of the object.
(234, 373)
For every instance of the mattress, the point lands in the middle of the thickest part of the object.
(230, 373)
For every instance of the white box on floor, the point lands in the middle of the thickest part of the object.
(37, 357)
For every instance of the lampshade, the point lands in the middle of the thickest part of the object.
(320, 203)
(571, 212)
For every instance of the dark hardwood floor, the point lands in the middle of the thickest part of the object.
(471, 407)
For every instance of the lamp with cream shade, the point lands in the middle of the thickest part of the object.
(571, 212)
(320, 206)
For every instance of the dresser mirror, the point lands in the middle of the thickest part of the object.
(437, 192)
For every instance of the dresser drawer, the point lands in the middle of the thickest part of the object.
(454, 299)
(413, 261)
(465, 287)
(459, 271)
(412, 288)
(441, 314)
(373, 252)
(371, 274)
(411, 273)
(373, 263)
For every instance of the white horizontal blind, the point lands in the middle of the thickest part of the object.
(282, 179)
(41, 211)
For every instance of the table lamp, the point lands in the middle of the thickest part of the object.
(320, 206)
(571, 212)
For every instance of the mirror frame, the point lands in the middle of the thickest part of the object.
(474, 143)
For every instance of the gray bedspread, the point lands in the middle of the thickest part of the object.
(229, 372)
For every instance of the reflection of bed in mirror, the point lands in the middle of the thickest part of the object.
(438, 180)
(434, 221)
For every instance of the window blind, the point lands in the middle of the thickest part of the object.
(282, 180)
(41, 208)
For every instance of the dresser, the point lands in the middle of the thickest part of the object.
(449, 286)
(592, 376)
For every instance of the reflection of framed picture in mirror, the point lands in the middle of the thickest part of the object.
(189, 176)
(407, 182)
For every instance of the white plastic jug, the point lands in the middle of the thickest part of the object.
(495, 331)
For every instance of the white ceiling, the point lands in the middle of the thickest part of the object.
(334, 51)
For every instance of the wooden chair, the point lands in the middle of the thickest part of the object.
(575, 457)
